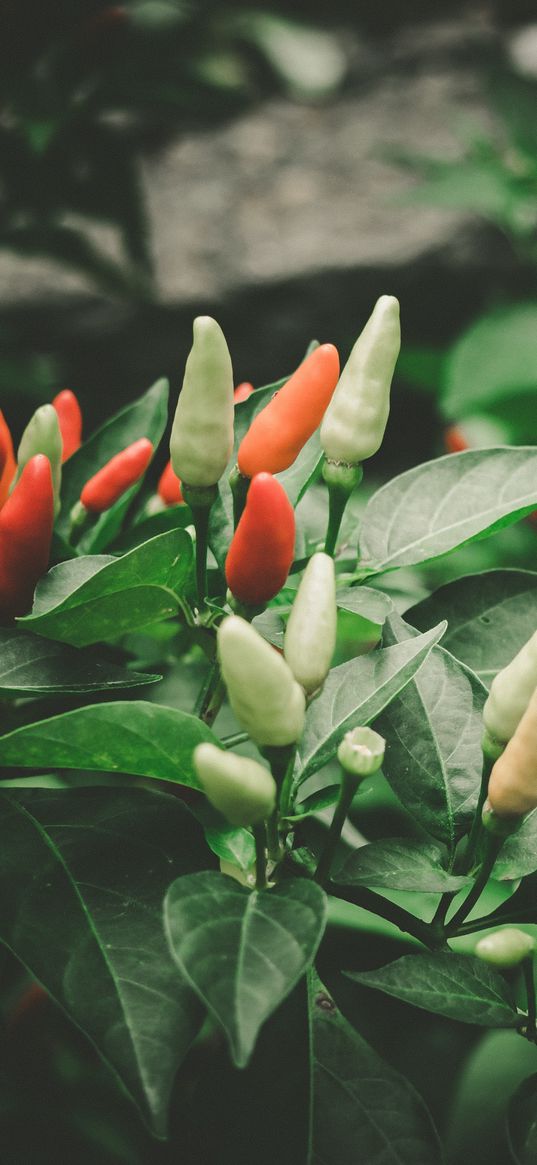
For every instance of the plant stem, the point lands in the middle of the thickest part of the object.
(287, 784)
(200, 516)
(234, 739)
(376, 904)
(337, 501)
(201, 500)
(260, 838)
(275, 850)
(493, 845)
(346, 794)
(490, 920)
(474, 836)
(439, 918)
(527, 970)
(211, 696)
(239, 486)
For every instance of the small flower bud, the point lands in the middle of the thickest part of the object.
(361, 752)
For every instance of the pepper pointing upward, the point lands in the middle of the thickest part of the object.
(279, 431)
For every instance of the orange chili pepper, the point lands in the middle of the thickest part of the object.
(279, 431)
(261, 551)
(70, 420)
(169, 487)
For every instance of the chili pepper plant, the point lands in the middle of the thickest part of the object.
(229, 834)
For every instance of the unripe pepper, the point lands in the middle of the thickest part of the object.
(512, 790)
(70, 420)
(510, 693)
(262, 548)
(242, 392)
(169, 487)
(202, 433)
(310, 635)
(263, 693)
(117, 476)
(277, 434)
(239, 787)
(7, 460)
(42, 435)
(505, 948)
(26, 522)
(355, 420)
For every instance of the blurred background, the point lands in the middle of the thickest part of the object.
(279, 167)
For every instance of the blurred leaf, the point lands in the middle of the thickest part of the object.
(494, 358)
(89, 927)
(522, 1122)
(518, 855)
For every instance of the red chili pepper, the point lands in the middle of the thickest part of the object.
(70, 419)
(26, 522)
(169, 487)
(242, 392)
(117, 476)
(279, 431)
(262, 548)
(8, 464)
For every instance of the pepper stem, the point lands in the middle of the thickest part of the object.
(200, 499)
(476, 831)
(349, 784)
(260, 838)
(239, 485)
(492, 846)
(341, 480)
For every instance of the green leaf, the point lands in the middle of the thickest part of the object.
(490, 616)
(522, 1122)
(433, 758)
(132, 736)
(147, 417)
(457, 986)
(230, 843)
(87, 600)
(372, 605)
(31, 666)
(243, 951)
(442, 504)
(399, 864)
(172, 518)
(83, 874)
(363, 1110)
(355, 693)
(518, 855)
(494, 358)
